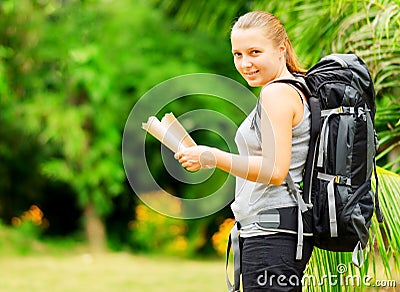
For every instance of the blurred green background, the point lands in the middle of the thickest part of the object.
(70, 72)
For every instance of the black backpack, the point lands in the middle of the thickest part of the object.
(341, 157)
(337, 203)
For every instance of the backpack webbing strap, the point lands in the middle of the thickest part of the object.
(269, 220)
(354, 258)
(332, 208)
(338, 179)
(323, 145)
(302, 207)
(333, 179)
(234, 242)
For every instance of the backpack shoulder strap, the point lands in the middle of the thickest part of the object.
(298, 82)
(309, 173)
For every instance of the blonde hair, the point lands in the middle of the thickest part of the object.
(273, 30)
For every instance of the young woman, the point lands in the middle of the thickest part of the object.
(272, 142)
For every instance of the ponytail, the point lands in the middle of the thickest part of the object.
(292, 62)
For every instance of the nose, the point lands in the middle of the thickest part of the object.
(246, 63)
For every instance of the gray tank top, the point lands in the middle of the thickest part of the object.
(253, 197)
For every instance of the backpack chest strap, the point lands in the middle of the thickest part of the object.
(337, 179)
(338, 110)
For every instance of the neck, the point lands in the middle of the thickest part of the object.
(284, 73)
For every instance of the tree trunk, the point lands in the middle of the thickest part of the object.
(94, 229)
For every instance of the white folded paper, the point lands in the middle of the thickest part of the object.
(169, 132)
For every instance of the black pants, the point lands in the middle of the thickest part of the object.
(269, 262)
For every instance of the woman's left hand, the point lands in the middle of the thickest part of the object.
(197, 157)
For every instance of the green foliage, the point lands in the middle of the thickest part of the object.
(156, 233)
(23, 236)
(387, 123)
(17, 241)
(70, 71)
(214, 17)
(81, 68)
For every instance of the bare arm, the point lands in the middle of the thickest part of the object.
(281, 107)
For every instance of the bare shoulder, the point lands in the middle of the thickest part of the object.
(280, 94)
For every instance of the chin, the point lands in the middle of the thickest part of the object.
(254, 83)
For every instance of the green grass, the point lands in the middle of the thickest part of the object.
(108, 272)
(28, 264)
(79, 271)
(65, 265)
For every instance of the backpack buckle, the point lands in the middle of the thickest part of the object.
(342, 180)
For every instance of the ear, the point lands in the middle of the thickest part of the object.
(282, 48)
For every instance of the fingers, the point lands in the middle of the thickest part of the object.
(190, 158)
(192, 167)
(178, 155)
(187, 162)
(183, 157)
(186, 151)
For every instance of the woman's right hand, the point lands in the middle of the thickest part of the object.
(197, 157)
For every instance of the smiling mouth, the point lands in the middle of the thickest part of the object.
(250, 74)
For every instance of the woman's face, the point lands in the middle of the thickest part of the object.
(255, 57)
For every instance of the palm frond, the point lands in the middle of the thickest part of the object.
(212, 16)
(387, 123)
(301, 18)
(373, 33)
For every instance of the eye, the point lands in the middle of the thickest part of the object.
(237, 54)
(255, 52)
